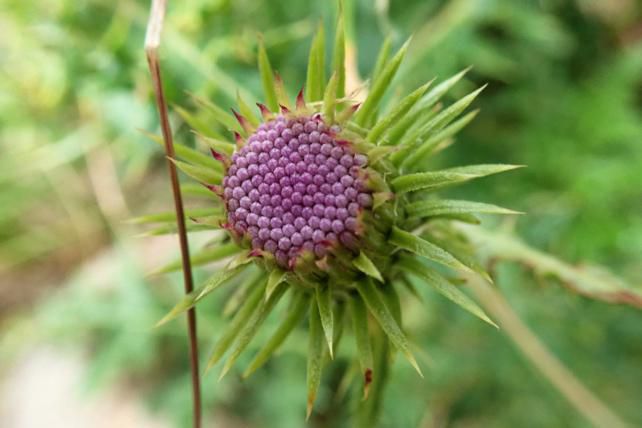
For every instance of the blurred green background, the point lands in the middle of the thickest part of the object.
(564, 98)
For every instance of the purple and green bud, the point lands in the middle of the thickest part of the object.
(295, 186)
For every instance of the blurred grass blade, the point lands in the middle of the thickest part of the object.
(384, 124)
(204, 256)
(315, 357)
(446, 177)
(239, 320)
(596, 283)
(295, 314)
(323, 296)
(199, 173)
(379, 87)
(378, 309)
(267, 78)
(440, 207)
(423, 248)
(445, 288)
(316, 67)
(252, 326)
(362, 338)
(365, 265)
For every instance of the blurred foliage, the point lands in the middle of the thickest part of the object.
(565, 98)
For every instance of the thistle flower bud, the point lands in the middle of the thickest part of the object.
(331, 202)
(292, 188)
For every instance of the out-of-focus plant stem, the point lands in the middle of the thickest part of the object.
(580, 397)
(152, 43)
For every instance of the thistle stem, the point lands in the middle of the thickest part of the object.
(152, 42)
(578, 395)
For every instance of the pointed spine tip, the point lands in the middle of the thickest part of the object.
(284, 109)
(300, 100)
(265, 112)
(242, 121)
(240, 141)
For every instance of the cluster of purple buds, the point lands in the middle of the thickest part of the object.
(295, 187)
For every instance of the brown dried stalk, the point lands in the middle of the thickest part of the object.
(152, 43)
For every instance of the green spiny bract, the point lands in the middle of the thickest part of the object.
(341, 215)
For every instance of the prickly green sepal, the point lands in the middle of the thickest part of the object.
(359, 316)
(381, 83)
(423, 248)
(316, 67)
(445, 288)
(365, 265)
(276, 277)
(198, 172)
(441, 207)
(437, 179)
(380, 312)
(267, 78)
(295, 314)
(204, 256)
(323, 297)
(315, 356)
(252, 326)
(238, 322)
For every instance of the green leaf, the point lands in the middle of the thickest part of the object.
(199, 173)
(423, 248)
(422, 109)
(362, 339)
(338, 57)
(247, 111)
(316, 67)
(381, 83)
(446, 177)
(240, 319)
(436, 142)
(323, 297)
(443, 286)
(384, 124)
(267, 78)
(315, 357)
(382, 314)
(441, 207)
(195, 296)
(437, 123)
(295, 314)
(365, 265)
(590, 281)
(277, 276)
(329, 99)
(252, 326)
(206, 255)
(460, 251)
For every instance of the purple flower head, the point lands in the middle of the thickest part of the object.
(294, 187)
